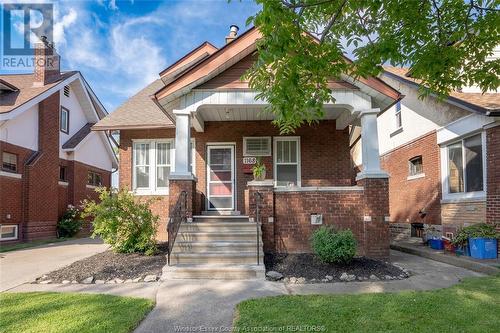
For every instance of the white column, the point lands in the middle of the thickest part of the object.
(182, 145)
(369, 145)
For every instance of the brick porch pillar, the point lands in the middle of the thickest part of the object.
(376, 238)
(266, 210)
(176, 186)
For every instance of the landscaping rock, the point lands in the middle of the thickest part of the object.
(128, 281)
(301, 280)
(88, 280)
(324, 280)
(374, 278)
(274, 276)
(136, 280)
(388, 277)
(329, 277)
(150, 278)
(293, 280)
(66, 282)
(117, 280)
(74, 282)
(45, 282)
(111, 281)
(347, 277)
(99, 281)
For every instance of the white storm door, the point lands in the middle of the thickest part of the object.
(220, 177)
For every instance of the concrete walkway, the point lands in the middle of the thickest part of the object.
(22, 266)
(203, 305)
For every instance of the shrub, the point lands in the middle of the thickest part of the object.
(480, 230)
(70, 223)
(122, 222)
(334, 247)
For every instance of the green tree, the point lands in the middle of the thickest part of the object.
(444, 42)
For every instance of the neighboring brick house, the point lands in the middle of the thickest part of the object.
(442, 157)
(50, 157)
(199, 128)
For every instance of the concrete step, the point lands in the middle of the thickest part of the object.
(200, 247)
(220, 219)
(233, 272)
(197, 236)
(238, 258)
(219, 226)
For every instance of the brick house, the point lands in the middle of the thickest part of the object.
(199, 128)
(50, 157)
(442, 157)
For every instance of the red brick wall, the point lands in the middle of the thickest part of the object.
(493, 175)
(42, 175)
(11, 189)
(292, 222)
(325, 154)
(408, 197)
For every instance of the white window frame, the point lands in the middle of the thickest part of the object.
(410, 164)
(398, 116)
(476, 195)
(64, 110)
(153, 189)
(245, 151)
(275, 159)
(9, 238)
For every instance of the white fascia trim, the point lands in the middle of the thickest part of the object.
(461, 127)
(10, 174)
(26, 106)
(90, 91)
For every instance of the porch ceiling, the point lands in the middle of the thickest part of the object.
(251, 113)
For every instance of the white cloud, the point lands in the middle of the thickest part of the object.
(61, 25)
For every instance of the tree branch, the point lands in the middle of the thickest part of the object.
(332, 21)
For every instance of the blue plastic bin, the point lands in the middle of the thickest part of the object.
(436, 244)
(483, 248)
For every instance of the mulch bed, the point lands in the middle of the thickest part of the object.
(109, 265)
(313, 270)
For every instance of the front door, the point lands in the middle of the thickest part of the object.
(220, 177)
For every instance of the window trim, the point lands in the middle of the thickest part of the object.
(17, 162)
(275, 159)
(61, 167)
(63, 109)
(398, 115)
(477, 195)
(9, 238)
(93, 185)
(245, 151)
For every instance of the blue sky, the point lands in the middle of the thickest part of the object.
(121, 46)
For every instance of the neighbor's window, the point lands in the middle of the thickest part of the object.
(465, 165)
(94, 179)
(257, 146)
(64, 120)
(62, 173)
(416, 166)
(8, 232)
(9, 162)
(287, 161)
(399, 121)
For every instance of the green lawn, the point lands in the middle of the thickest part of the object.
(20, 246)
(64, 312)
(471, 306)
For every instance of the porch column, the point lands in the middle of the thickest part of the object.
(182, 145)
(375, 183)
(369, 146)
(182, 178)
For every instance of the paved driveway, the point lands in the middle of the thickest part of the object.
(18, 267)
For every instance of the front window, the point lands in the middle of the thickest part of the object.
(287, 161)
(9, 162)
(465, 165)
(64, 120)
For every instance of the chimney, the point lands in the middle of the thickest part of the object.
(233, 33)
(47, 63)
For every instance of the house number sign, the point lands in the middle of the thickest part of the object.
(248, 163)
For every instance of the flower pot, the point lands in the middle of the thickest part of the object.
(483, 248)
(436, 244)
(261, 177)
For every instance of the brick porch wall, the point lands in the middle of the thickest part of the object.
(325, 156)
(493, 176)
